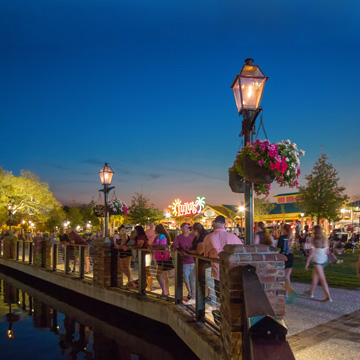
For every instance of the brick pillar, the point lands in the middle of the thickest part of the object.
(270, 270)
(102, 263)
(42, 247)
(47, 245)
(10, 247)
(37, 250)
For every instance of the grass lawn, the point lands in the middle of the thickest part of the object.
(337, 275)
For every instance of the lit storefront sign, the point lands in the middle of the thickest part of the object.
(209, 213)
(188, 208)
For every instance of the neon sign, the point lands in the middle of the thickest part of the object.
(188, 208)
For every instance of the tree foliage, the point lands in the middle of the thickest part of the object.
(26, 193)
(56, 218)
(142, 211)
(87, 212)
(322, 197)
(262, 207)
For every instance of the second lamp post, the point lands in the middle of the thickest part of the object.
(106, 174)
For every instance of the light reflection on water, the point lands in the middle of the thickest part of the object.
(37, 325)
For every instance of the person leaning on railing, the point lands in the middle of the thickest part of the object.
(197, 248)
(182, 243)
(142, 242)
(163, 258)
(214, 243)
(65, 241)
(124, 256)
(76, 239)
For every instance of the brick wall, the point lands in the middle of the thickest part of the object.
(270, 270)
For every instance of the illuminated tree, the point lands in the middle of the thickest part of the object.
(322, 197)
(26, 193)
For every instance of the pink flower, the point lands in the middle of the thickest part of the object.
(261, 162)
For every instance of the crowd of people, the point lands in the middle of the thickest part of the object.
(196, 240)
(192, 240)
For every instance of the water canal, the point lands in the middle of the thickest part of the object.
(41, 321)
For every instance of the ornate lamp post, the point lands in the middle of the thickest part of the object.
(248, 88)
(106, 174)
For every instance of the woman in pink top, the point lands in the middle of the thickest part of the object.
(163, 259)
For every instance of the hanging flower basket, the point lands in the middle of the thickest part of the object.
(256, 173)
(118, 207)
(236, 182)
(99, 210)
(12, 222)
(263, 162)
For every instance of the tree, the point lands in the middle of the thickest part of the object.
(87, 212)
(26, 193)
(75, 217)
(322, 197)
(142, 212)
(262, 207)
(56, 218)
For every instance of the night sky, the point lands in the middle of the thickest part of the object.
(145, 86)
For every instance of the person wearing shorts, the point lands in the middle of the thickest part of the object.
(319, 256)
(182, 243)
(163, 258)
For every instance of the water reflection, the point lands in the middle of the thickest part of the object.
(52, 329)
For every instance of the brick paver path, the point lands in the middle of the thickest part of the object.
(320, 330)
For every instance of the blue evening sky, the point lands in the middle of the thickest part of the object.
(145, 86)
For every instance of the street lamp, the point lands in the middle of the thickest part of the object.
(248, 88)
(106, 174)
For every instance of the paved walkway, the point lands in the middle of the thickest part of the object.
(320, 330)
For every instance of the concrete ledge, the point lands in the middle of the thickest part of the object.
(199, 338)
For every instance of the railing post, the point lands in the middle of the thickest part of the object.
(17, 249)
(31, 244)
(67, 260)
(142, 271)
(200, 266)
(81, 261)
(54, 256)
(23, 251)
(114, 266)
(43, 253)
(178, 278)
